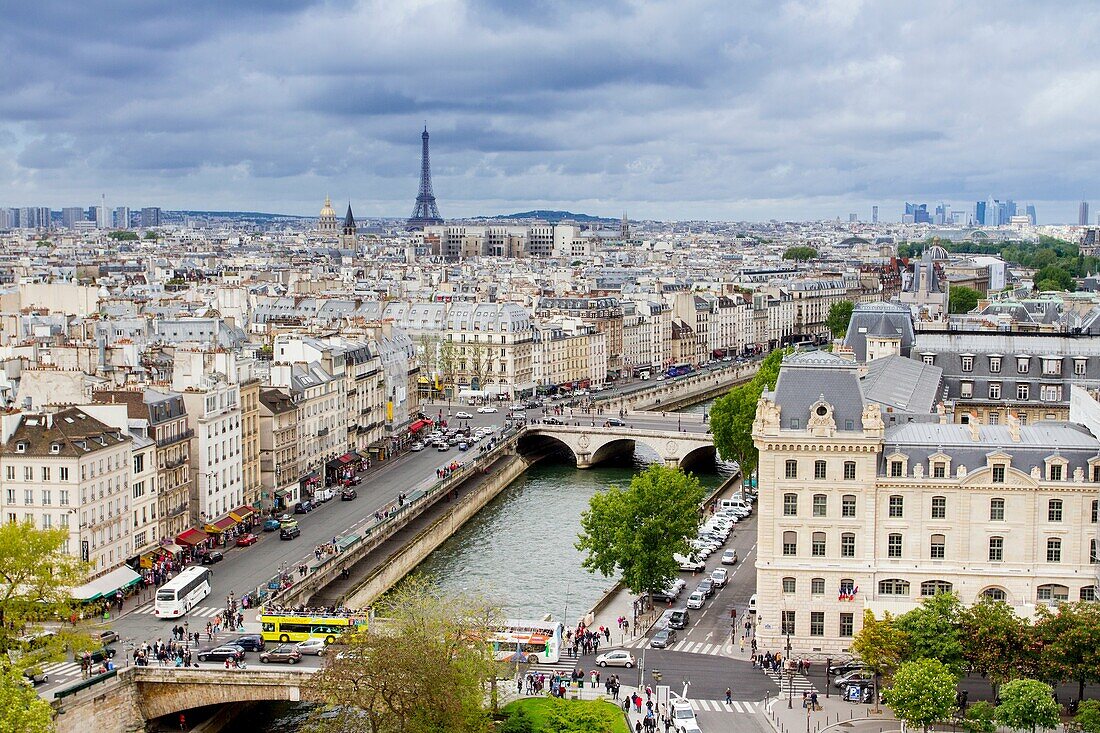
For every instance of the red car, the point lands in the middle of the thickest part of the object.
(246, 539)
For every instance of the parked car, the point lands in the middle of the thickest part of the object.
(464, 445)
(672, 590)
(289, 533)
(719, 576)
(463, 415)
(552, 421)
(348, 494)
(691, 563)
(486, 409)
(250, 642)
(706, 587)
(315, 647)
(248, 539)
(664, 638)
(222, 653)
(286, 653)
(212, 557)
(617, 658)
(841, 668)
(35, 676)
(729, 557)
(96, 656)
(696, 600)
(416, 446)
(271, 525)
(303, 507)
(861, 677)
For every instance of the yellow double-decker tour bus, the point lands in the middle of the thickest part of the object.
(289, 626)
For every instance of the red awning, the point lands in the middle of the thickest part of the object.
(347, 458)
(191, 537)
(419, 425)
(220, 525)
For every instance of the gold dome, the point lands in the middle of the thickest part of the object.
(327, 212)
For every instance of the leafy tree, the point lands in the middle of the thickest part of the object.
(800, 253)
(151, 234)
(1088, 716)
(840, 313)
(1027, 705)
(932, 630)
(1049, 274)
(448, 362)
(980, 717)
(35, 579)
(123, 236)
(732, 415)
(481, 364)
(993, 639)
(962, 299)
(575, 716)
(637, 532)
(419, 671)
(21, 709)
(1070, 643)
(429, 354)
(880, 644)
(923, 692)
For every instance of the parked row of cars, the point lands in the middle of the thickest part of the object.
(238, 649)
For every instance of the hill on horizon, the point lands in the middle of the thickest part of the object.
(552, 216)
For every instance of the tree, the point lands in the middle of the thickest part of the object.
(481, 364)
(962, 299)
(429, 355)
(993, 639)
(1027, 705)
(1088, 716)
(518, 722)
(21, 709)
(932, 630)
(35, 579)
(923, 692)
(151, 234)
(1053, 274)
(880, 644)
(123, 236)
(424, 668)
(980, 717)
(800, 253)
(1070, 643)
(732, 415)
(638, 532)
(448, 362)
(840, 313)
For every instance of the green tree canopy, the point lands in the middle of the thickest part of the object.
(932, 630)
(151, 234)
(800, 253)
(923, 692)
(1070, 641)
(1056, 276)
(123, 236)
(880, 644)
(993, 640)
(420, 670)
(21, 709)
(732, 415)
(637, 532)
(1088, 716)
(840, 313)
(1027, 705)
(962, 299)
(980, 717)
(581, 716)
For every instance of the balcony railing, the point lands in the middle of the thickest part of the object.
(322, 432)
(173, 439)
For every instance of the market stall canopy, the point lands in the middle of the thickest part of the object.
(191, 537)
(106, 585)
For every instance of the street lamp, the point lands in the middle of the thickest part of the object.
(790, 674)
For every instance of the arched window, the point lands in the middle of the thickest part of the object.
(995, 594)
(934, 587)
(996, 510)
(790, 505)
(893, 587)
(893, 545)
(817, 544)
(1054, 510)
(937, 549)
(820, 505)
(848, 544)
(789, 585)
(1052, 593)
(848, 505)
(849, 470)
(1088, 593)
(897, 506)
(817, 586)
(790, 543)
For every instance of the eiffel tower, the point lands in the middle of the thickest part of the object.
(425, 212)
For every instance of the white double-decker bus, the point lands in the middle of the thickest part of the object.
(182, 593)
(535, 642)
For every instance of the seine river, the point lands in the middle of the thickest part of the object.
(519, 552)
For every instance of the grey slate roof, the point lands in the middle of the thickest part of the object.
(808, 377)
(904, 384)
(1037, 443)
(879, 319)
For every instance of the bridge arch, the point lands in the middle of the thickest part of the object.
(534, 446)
(193, 689)
(704, 456)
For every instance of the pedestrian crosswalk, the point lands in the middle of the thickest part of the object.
(733, 706)
(688, 647)
(196, 612)
(786, 683)
(62, 670)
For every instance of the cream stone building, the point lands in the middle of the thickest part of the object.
(856, 514)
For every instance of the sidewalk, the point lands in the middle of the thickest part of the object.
(833, 710)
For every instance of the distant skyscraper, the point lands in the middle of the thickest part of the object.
(70, 215)
(1031, 214)
(979, 213)
(35, 217)
(852, 218)
(919, 212)
(102, 215)
(874, 214)
(150, 216)
(425, 212)
(122, 217)
(1083, 214)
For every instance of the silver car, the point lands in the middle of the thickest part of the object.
(315, 647)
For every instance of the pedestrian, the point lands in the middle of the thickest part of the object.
(729, 696)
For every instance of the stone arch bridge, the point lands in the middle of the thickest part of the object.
(591, 445)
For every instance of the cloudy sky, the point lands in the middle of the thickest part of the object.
(674, 110)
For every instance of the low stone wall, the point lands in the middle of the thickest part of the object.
(673, 394)
(112, 706)
(402, 562)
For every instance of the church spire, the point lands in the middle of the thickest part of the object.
(349, 222)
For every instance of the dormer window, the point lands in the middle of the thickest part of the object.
(994, 365)
(968, 363)
(1057, 468)
(998, 473)
(55, 448)
(20, 447)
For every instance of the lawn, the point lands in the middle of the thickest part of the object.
(538, 709)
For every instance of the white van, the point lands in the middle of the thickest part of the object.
(736, 505)
(752, 603)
